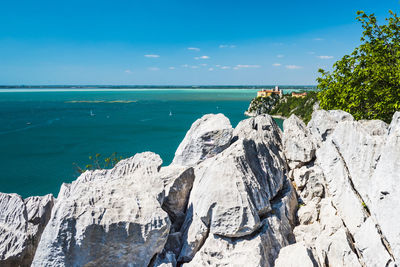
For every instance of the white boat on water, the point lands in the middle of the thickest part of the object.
(91, 113)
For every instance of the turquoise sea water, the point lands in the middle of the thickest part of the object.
(43, 132)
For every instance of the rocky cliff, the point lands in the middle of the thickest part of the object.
(322, 194)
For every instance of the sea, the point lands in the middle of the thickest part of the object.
(46, 133)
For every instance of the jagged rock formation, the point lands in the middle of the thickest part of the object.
(348, 191)
(107, 217)
(324, 194)
(21, 225)
(208, 136)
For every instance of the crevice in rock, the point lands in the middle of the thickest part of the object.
(350, 180)
(351, 241)
(384, 240)
(312, 258)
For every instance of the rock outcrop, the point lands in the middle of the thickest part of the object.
(208, 136)
(344, 216)
(232, 200)
(107, 217)
(322, 194)
(21, 225)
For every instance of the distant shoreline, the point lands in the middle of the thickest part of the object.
(303, 87)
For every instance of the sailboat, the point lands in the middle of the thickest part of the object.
(91, 113)
(170, 113)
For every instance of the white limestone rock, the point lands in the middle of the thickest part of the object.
(323, 123)
(235, 188)
(309, 181)
(336, 250)
(297, 143)
(385, 197)
(296, 255)
(107, 217)
(177, 182)
(21, 226)
(207, 137)
(349, 206)
(308, 214)
(259, 248)
(359, 146)
(368, 242)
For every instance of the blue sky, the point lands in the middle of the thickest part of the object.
(177, 42)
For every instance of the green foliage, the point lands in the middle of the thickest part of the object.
(301, 107)
(260, 105)
(97, 162)
(366, 83)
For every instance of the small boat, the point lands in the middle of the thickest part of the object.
(28, 123)
(170, 113)
(91, 113)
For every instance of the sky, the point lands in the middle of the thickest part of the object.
(186, 42)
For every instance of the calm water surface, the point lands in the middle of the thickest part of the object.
(42, 133)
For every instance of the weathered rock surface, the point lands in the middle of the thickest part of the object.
(234, 190)
(107, 217)
(207, 136)
(177, 182)
(295, 255)
(325, 194)
(297, 143)
(344, 225)
(21, 226)
(323, 123)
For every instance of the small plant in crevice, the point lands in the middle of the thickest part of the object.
(98, 162)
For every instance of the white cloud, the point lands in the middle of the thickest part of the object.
(236, 68)
(211, 69)
(152, 56)
(194, 49)
(171, 68)
(128, 71)
(227, 46)
(189, 66)
(311, 53)
(280, 56)
(202, 57)
(277, 64)
(318, 39)
(248, 66)
(204, 65)
(225, 68)
(217, 66)
(293, 67)
(325, 57)
(153, 69)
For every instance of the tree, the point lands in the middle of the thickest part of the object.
(366, 83)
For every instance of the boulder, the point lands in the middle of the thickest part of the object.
(108, 217)
(21, 226)
(259, 248)
(323, 123)
(297, 143)
(207, 137)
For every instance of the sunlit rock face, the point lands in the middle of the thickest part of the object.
(351, 221)
(323, 194)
